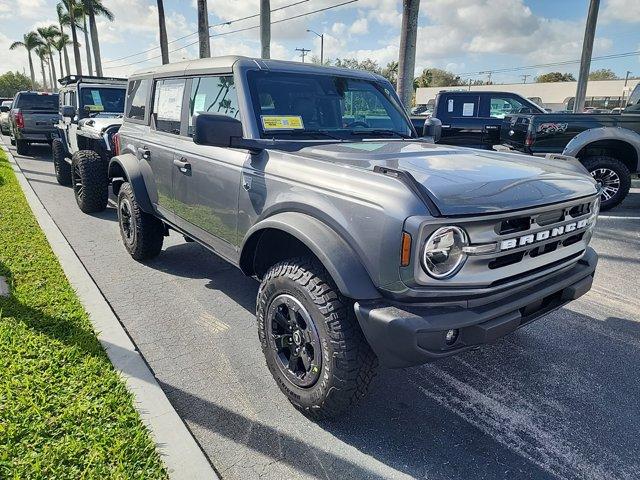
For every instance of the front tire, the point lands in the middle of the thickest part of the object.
(90, 181)
(142, 233)
(312, 343)
(612, 175)
(22, 147)
(60, 165)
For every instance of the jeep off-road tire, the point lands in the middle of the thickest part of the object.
(90, 181)
(22, 147)
(60, 164)
(324, 320)
(612, 175)
(142, 233)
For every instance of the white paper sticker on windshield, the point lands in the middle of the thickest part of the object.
(467, 109)
(170, 102)
(198, 103)
(450, 105)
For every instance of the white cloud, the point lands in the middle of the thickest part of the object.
(359, 27)
(627, 11)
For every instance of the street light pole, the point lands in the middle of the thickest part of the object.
(585, 60)
(321, 44)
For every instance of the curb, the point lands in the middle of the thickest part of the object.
(178, 449)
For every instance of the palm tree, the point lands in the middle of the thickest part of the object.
(29, 41)
(203, 29)
(82, 13)
(60, 44)
(72, 9)
(64, 19)
(95, 8)
(265, 28)
(49, 35)
(407, 57)
(41, 52)
(164, 46)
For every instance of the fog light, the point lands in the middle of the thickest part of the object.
(451, 336)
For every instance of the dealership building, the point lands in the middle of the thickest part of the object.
(554, 95)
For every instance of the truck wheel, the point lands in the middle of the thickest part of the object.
(22, 147)
(311, 340)
(90, 181)
(60, 165)
(142, 233)
(612, 175)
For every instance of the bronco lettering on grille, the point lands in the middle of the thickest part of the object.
(544, 234)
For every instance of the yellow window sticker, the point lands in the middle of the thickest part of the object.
(282, 122)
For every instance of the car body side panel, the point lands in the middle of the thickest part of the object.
(605, 133)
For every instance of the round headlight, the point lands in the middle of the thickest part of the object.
(443, 253)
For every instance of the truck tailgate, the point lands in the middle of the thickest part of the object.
(514, 130)
(37, 121)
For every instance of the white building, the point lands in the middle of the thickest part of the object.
(553, 95)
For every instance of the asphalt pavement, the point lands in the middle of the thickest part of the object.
(560, 398)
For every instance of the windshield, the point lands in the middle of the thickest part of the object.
(7, 103)
(101, 99)
(37, 101)
(327, 106)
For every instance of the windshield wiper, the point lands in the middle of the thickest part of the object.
(388, 133)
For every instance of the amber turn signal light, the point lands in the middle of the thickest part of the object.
(405, 252)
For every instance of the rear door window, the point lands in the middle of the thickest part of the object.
(462, 106)
(137, 99)
(167, 105)
(213, 95)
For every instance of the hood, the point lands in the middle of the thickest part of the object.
(99, 123)
(465, 181)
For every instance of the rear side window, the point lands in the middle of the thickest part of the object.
(137, 99)
(462, 106)
(213, 95)
(34, 101)
(167, 105)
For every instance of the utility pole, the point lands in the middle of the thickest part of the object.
(303, 52)
(624, 89)
(407, 54)
(585, 60)
(162, 26)
(265, 28)
(203, 29)
(321, 44)
(524, 78)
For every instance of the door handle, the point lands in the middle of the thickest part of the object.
(182, 164)
(144, 153)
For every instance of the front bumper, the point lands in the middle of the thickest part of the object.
(402, 335)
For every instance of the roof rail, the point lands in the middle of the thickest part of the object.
(70, 79)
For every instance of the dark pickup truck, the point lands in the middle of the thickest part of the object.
(33, 119)
(473, 119)
(608, 145)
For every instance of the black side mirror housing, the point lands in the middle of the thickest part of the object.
(432, 128)
(216, 130)
(4, 109)
(68, 111)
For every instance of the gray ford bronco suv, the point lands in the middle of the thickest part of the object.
(90, 111)
(371, 244)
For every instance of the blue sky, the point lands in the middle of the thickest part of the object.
(463, 36)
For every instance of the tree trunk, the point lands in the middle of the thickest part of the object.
(74, 37)
(164, 46)
(54, 78)
(407, 57)
(95, 43)
(203, 29)
(87, 45)
(33, 74)
(66, 57)
(60, 59)
(44, 77)
(265, 28)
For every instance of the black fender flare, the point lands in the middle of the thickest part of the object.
(127, 166)
(335, 254)
(592, 135)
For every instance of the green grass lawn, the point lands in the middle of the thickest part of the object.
(64, 411)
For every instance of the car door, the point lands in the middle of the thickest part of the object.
(71, 128)
(463, 127)
(493, 109)
(206, 179)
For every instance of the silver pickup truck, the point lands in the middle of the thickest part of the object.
(33, 119)
(370, 243)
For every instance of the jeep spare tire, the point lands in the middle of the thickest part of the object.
(90, 181)
(311, 339)
(60, 164)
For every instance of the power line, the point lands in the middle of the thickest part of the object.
(236, 31)
(229, 22)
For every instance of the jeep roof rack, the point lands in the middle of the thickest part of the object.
(69, 79)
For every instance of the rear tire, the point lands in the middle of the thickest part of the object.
(142, 233)
(90, 181)
(60, 165)
(22, 147)
(612, 175)
(332, 364)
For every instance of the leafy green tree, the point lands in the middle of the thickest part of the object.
(603, 74)
(555, 77)
(30, 40)
(390, 72)
(93, 9)
(367, 64)
(13, 82)
(49, 35)
(436, 77)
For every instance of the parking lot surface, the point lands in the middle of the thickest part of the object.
(557, 399)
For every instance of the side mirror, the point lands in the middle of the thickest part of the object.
(68, 112)
(432, 128)
(215, 130)
(4, 109)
